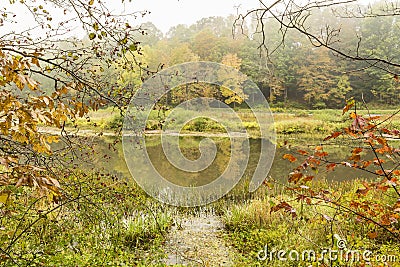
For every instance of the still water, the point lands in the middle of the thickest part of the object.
(111, 158)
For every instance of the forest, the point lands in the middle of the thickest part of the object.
(293, 73)
(290, 74)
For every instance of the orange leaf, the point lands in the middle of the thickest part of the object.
(381, 141)
(333, 135)
(350, 132)
(378, 161)
(302, 152)
(362, 191)
(366, 163)
(355, 157)
(289, 157)
(396, 172)
(371, 118)
(35, 61)
(318, 148)
(308, 178)
(357, 150)
(348, 106)
(295, 177)
(321, 154)
(373, 235)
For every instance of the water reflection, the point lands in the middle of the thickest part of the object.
(113, 161)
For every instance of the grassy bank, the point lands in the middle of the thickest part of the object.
(252, 228)
(286, 122)
(100, 221)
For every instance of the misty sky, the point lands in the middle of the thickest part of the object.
(164, 13)
(168, 13)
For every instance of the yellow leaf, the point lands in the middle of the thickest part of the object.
(20, 81)
(35, 61)
(4, 196)
(32, 84)
(91, 2)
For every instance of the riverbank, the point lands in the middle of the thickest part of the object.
(315, 123)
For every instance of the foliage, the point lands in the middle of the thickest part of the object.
(74, 72)
(50, 79)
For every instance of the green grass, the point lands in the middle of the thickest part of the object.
(102, 119)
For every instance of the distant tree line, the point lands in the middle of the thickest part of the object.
(288, 67)
(292, 71)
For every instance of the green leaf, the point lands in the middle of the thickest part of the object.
(124, 41)
(92, 36)
(133, 47)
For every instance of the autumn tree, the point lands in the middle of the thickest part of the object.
(49, 78)
(231, 89)
(317, 77)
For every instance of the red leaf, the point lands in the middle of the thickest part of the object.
(359, 123)
(362, 191)
(331, 167)
(286, 207)
(395, 132)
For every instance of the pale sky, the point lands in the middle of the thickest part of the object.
(164, 13)
(168, 13)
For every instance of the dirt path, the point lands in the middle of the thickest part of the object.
(197, 241)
